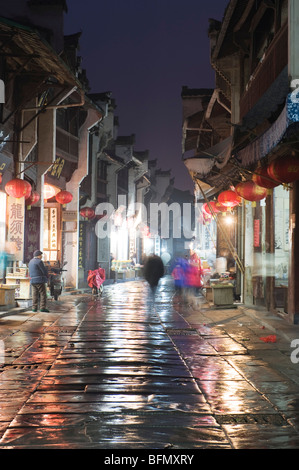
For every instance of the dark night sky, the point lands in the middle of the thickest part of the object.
(144, 51)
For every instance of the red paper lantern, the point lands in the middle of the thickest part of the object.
(229, 198)
(18, 188)
(250, 191)
(213, 205)
(262, 178)
(87, 212)
(284, 169)
(32, 199)
(221, 208)
(64, 197)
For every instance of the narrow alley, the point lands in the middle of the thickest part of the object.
(127, 372)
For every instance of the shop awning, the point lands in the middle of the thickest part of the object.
(218, 156)
(213, 166)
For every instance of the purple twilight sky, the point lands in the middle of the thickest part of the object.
(144, 51)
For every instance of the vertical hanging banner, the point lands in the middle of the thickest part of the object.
(81, 246)
(32, 232)
(53, 228)
(15, 225)
(256, 233)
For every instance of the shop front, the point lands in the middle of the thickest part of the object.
(266, 251)
(121, 265)
(52, 232)
(281, 247)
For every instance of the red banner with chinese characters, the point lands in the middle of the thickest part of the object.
(15, 225)
(256, 233)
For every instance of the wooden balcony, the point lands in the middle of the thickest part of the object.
(276, 58)
(67, 144)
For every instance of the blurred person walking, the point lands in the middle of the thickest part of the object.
(153, 271)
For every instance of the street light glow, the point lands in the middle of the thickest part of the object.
(229, 220)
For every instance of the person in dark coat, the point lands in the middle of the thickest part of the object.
(38, 277)
(153, 271)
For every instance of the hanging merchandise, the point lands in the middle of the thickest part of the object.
(18, 188)
(262, 178)
(64, 197)
(284, 169)
(87, 213)
(251, 191)
(229, 199)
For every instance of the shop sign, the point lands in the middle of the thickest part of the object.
(62, 168)
(81, 246)
(69, 216)
(32, 232)
(57, 167)
(5, 161)
(53, 228)
(16, 221)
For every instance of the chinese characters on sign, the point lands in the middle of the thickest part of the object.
(32, 232)
(16, 224)
(81, 247)
(256, 234)
(53, 228)
(57, 167)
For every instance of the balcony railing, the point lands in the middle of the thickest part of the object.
(276, 58)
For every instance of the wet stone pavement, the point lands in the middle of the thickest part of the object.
(124, 372)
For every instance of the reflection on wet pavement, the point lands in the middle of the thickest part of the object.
(126, 372)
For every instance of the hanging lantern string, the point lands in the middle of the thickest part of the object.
(231, 247)
(250, 173)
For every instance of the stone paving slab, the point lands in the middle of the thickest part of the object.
(252, 436)
(124, 372)
(118, 437)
